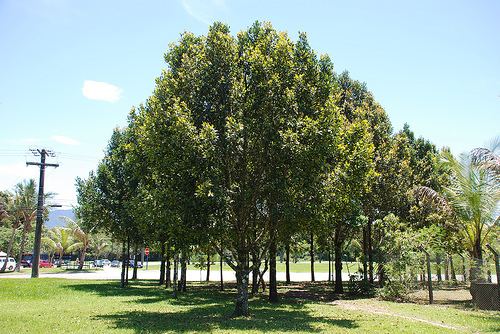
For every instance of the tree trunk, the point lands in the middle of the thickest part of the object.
(329, 264)
(182, 282)
(311, 254)
(287, 262)
(9, 249)
(168, 275)
(447, 268)
(124, 264)
(273, 285)
(83, 253)
(369, 250)
(262, 282)
(438, 267)
(241, 305)
(208, 267)
(452, 270)
(176, 270)
(21, 250)
(381, 274)
(134, 273)
(128, 260)
(476, 262)
(365, 254)
(221, 278)
(255, 274)
(162, 264)
(338, 267)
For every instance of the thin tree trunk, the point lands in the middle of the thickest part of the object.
(124, 265)
(255, 274)
(162, 264)
(287, 262)
(447, 268)
(182, 285)
(168, 275)
(365, 254)
(176, 269)
(21, 250)
(134, 273)
(452, 270)
(338, 266)
(438, 267)
(370, 251)
(221, 278)
(208, 267)
(273, 286)
(329, 264)
(311, 254)
(262, 282)
(128, 260)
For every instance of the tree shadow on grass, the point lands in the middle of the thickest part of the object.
(204, 309)
(209, 318)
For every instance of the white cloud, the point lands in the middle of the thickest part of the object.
(205, 11)
(101, 91)
(65, 140)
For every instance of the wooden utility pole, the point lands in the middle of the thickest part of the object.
(39, 211)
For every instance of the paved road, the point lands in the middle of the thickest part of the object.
(108, 273)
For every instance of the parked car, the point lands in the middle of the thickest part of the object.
(115, 264)
(45, 264)
(11, 263)
(132, 264)
(26, 263)
(98, 263)
(106, 263)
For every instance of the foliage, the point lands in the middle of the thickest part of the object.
(402, 258)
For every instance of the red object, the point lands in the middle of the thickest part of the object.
(146, 251)
(45, 264)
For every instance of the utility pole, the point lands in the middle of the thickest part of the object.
(39, 211)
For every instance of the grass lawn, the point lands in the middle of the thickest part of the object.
(299, 267)
(70, 306)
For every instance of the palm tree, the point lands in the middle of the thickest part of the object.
(81, 237)
(99, 243)
(471, 200)
(488, 158)
(25, 202)
(61, 239)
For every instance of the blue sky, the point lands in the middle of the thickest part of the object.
(71, 70)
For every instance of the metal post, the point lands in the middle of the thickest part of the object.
(429, 274)
(497, 267)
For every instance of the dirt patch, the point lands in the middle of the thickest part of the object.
(456, 297)
(375, 308)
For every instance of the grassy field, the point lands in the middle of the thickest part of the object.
(299, 267)
(66, 306)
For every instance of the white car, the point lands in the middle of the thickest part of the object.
(11, 265)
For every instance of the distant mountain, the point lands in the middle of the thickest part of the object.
(55, 217)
